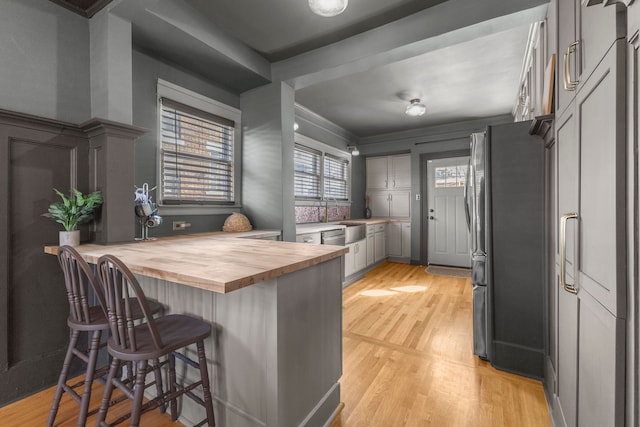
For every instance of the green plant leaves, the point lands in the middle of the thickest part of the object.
(74, 210)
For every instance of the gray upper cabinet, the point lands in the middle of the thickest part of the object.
(389, 172)
(585, 34)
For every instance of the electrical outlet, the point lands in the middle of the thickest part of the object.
(417, 197)
(180, 225)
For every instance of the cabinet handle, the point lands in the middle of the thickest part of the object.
(571, 288)
(394, 183)
(569, 84)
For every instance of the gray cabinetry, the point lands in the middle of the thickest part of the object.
(585, 34)
(370, 244)
(399, 239)
(380, 245)
(388, 186)
(590, 266)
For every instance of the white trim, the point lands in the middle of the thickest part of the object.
(196, 100)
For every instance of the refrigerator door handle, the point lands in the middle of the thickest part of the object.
(571, 288)
(466, 196)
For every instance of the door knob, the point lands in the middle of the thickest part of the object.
(431, 218)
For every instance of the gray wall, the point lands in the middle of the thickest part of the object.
(422, 143)
(146, 71)
(44, 51)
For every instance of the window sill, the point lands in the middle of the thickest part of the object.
(168, 210)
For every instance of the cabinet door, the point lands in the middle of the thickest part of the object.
(406, 240)
(602, 197)
(377, 173)
(350, 260)
(379, 203)
(361, 255)
(370, 249)
(394, 239)
(566, 36)
(380, 246)
(400, 172)
(399, 204)
(597, 28)
(567, 310)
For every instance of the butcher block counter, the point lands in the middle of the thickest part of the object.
(219, 262)
(275, 352)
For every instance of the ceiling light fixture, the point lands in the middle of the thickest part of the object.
(328, 7)
(354, 150)
(415, 108)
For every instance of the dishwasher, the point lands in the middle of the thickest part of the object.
(333, 237)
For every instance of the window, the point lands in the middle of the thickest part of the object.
(336, 178)
(320, 171)
(197, 165)
(307, 172)
(450, 176)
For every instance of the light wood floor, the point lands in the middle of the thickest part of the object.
(408, 361)
(408, 358)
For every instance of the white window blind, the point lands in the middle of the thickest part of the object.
(196, 155)
(307, 172)
(336, 178)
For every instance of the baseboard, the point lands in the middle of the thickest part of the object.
(517, 359)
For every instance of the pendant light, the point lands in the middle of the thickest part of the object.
(328, 7)
(415, 108)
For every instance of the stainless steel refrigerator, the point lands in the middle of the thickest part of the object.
(504, 201)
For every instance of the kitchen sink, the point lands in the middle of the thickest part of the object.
(354, 232)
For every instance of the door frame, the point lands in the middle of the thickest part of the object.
(424, 187)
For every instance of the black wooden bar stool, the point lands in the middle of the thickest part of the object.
(154, 339)
(83, 317)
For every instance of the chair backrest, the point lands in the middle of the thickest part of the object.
(121, 290)
(78, 275)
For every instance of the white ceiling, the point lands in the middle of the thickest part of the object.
(358, 70)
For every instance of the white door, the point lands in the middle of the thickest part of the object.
(448, 235)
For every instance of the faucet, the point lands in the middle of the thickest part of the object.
(326, 207)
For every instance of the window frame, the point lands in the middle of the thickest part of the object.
(324, 150)
(197, 101)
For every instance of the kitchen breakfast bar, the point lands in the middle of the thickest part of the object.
(275, 353)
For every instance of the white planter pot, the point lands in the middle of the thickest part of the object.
(70, 238)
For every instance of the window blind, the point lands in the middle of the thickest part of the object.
(306, 172)
(196, 155)
(336, 178)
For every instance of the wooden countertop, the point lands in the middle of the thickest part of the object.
(219, 262)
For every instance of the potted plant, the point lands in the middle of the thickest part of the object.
(73, 210)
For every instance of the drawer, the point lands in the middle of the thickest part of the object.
(370, 229)
(379, 227)
(313, 238)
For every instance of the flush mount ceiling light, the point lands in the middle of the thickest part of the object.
(328, 7)
(415, 108)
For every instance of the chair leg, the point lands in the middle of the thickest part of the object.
(206, 388)
(157, 374)
(91, 368)
(138, 392)
(172, 386)
(108, 390)
(63, 377)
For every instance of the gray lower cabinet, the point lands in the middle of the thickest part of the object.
(399, 239)
(356, 259)
(590, 291)
(380, 242)
(370, 245)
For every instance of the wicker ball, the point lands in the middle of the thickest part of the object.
(237, 222)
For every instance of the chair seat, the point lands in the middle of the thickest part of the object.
(176, 330)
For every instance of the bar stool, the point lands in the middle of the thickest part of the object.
(83, 317)
(156, 338)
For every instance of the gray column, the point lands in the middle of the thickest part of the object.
(111, 162)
